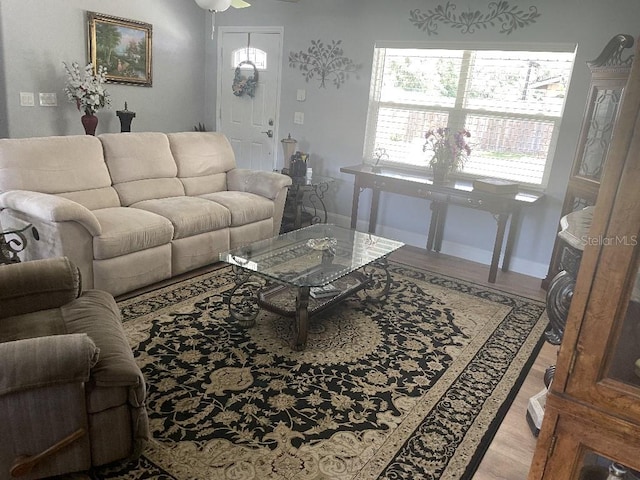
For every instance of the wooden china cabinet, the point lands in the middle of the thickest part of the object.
(592, 410)
(609, 73)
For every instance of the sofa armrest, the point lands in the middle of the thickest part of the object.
(43, 361)
(38, 285)
(50, 208)
(267, 184)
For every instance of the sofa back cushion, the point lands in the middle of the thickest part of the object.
(70, 166)
(203, 158)
(141, 166)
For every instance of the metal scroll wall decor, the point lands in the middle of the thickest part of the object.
(500, 14)
(325, 61)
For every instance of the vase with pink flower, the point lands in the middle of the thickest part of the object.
(450, 151)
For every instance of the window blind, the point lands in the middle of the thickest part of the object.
(511, 102)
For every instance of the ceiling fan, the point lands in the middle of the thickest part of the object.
(215, 6)
(222, 5)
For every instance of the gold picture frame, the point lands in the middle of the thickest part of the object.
(122, 46)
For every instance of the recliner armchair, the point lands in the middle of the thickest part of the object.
(71, 394)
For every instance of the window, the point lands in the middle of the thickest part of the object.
(258, 57)
(510, 101)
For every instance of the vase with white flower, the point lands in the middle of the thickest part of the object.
(86, 88)
(450, 151)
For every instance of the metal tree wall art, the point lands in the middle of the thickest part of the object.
(324, 61)
(506, 16)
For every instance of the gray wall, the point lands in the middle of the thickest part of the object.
(334, 127)
(38, 35)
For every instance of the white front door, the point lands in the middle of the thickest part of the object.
(250, 122)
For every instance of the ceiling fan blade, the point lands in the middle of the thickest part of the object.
(239, 4)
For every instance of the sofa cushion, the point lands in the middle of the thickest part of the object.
(126, 230)
(71, 165)
(189, 215)
(203, 160)
(141, 166)
(139, 190)
(244, 207)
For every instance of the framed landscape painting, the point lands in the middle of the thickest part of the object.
(122, 46)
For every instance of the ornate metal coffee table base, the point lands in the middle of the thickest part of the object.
(244, 302)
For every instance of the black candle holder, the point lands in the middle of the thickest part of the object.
(125, 117)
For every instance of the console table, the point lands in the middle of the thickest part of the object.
(460, 193)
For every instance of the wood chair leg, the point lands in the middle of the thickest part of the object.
(23, 464)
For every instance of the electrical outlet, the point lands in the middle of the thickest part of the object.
(301, 95)
(48, 100)
(27, 99)
(298, 118)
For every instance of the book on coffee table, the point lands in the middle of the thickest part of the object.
(496, 185)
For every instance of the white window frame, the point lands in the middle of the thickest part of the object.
(255, 55)
(455, 113)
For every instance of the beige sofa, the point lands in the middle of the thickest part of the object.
(71, 393)
(131, 209)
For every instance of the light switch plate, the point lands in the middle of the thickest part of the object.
(48, 100)
(27, 99)
(301, 95)
(298, 118)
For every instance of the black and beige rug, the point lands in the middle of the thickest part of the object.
(413, 388)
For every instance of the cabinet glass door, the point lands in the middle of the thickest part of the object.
(598, 132)
(590, 451)
(596, 467)
(605, 371)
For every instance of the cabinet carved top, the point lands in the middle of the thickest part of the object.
(611, 56)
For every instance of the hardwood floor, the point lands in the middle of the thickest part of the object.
(511, 451)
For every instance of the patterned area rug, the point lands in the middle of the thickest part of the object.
(411, 388)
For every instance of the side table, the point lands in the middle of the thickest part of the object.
(13, 240)
(305, 202)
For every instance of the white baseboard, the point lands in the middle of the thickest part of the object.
(519, 265)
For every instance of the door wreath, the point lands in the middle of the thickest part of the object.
(242, 84)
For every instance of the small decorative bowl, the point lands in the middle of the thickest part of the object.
(322, 243)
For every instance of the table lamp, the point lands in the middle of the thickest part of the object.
(289, 148)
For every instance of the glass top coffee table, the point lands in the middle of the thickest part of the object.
(307, 271)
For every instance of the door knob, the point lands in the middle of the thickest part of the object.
(269, 133)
